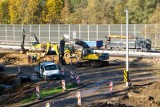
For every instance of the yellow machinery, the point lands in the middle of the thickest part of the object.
(71, 51)
(45, 48)
(89, 58)
(83, 51)
(41, 48)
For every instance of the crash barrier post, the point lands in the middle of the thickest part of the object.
(19, 68)
(126, 77)
(62, 71)
(157, 59)
(71, 75)
(47, 105)
(78, 79)
(63, 86)
(38, 92)
(110, 86)
(78, 95)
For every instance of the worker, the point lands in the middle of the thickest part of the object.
(29, 58)
(35, 58)
(62, 44)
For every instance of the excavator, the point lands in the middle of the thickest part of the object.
(37, 47)
(88, 57)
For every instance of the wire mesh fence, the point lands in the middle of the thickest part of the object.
(12, 34)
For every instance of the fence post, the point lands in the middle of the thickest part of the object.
(88, 32)
(155, 35)
(121, 31)
(49, 33)
(14, 32)
(6, 31)
(145, 31)
(58, 33)
(69, 28)
(97, 31)
(134, 30)
(39, 33)
(79, 31)
(109, 32)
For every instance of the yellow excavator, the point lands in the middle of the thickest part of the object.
(90, 58)
(39, 48)
(87, 55)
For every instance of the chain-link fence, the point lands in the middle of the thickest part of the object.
(12, 34)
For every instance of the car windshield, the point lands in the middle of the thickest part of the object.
(51, 67)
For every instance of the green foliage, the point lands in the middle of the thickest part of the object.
(54, 8)
(155, 17)
(78, 11)
(141, 10)
(4, 16)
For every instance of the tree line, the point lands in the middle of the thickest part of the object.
(78, 11)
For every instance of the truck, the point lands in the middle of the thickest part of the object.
(48, 70)
(119, 43)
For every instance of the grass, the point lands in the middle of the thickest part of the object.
(47, 92)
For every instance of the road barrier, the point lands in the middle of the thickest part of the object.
(47, 105)
(110, 86)
(71, 75)
(63, 86)
(157, 59)
(19, 69)
(62, 71)
(38, 92)
(78, 80)
(78, 95)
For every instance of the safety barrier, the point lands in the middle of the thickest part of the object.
(78, 95)
(38, 92)
(63, 86)
(110, 86)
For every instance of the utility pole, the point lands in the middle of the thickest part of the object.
(127, 50)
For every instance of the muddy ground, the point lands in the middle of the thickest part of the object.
(141, 94)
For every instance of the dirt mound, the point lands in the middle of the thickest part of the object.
(105, 104)
(147, 96)
(7, 80)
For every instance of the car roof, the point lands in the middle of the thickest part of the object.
(48, 63)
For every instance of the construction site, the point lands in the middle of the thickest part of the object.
(99, 77)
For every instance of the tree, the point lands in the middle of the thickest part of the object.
(155, 16)
(54, 8)
(17, 11)
(31, 12)
(140, 10)
(119, 14)
(66, 11)
(4, 16)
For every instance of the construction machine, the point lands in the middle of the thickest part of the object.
(89, 58)
(70, 50)
(37, 47)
